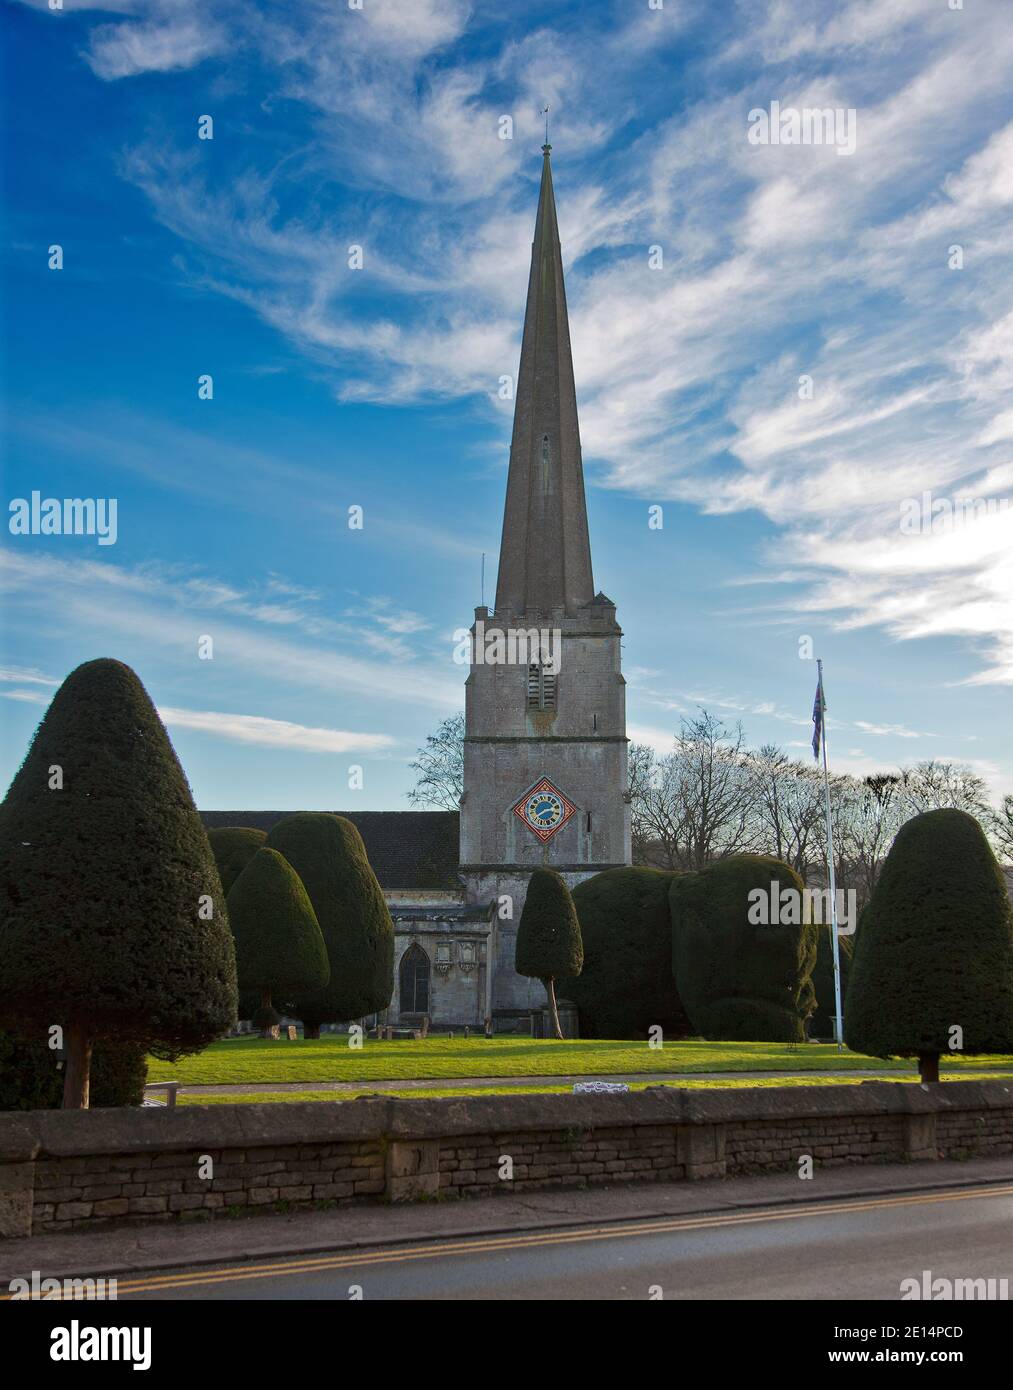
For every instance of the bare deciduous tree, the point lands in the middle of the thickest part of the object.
(692, 805)
(788, 807)
(440, 767)
(1002, 830)
(933, 785)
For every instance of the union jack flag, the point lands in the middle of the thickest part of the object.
(819, 709)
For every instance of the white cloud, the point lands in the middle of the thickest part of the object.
(122, 50)
(891, 730)
(27, 675)
(779, 261)
(272, 733)
(157, 613)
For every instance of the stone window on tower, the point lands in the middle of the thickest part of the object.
(545, 463)
(541, 687)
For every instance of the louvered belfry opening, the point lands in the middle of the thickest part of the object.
(541, 687)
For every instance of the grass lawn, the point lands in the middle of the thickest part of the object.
(452, 1092)
(236, 1061)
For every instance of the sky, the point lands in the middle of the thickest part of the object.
(801, 352)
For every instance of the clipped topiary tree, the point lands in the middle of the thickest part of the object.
(279, 948)
(115, 924)
(119, 1074)
(30, 1079)
(626, 986)
(327, 853)
(233, 846)
(934, 949)
(743, 978)
(548, 936)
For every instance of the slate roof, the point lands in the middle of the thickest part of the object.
(407, 849)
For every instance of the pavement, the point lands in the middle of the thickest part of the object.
(130, 1249)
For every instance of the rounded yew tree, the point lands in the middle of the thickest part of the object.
(549, 947)
(279, 948)
(115, 923)
(233, 846)
(327, 853)
(934, 951)
(626, 986)
(743, 949)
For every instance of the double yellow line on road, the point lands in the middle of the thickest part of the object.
(533, 1239)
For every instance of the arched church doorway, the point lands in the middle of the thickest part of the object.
(413, 978)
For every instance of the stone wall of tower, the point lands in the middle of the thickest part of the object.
(580, 746)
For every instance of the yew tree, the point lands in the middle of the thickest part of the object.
(932, 972)
(233, 846)
(327, 853)
(549, 945)
(279, 948)
(114, 924)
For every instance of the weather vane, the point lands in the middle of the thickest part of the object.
(545, 113)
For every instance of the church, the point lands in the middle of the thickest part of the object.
(545, 749)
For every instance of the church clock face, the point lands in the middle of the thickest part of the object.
(544, 809)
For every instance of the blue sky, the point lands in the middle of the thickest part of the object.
(379, 127)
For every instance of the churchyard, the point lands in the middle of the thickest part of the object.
(235, 1061)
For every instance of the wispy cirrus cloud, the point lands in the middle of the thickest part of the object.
(167, 611)
(780, 263)
(235, 728)
(272, 733)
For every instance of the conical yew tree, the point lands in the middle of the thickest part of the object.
(233, 846)
(934, 951)
(279, 948)
(549, 947)
(114, 923)
(327, 853)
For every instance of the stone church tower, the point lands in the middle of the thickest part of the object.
(545, 751)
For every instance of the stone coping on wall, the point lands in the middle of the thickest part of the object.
(26, 1135)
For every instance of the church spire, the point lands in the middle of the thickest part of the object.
(545, 555)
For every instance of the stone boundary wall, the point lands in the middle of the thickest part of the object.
(62, 1169)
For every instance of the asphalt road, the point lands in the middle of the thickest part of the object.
(854, 1249)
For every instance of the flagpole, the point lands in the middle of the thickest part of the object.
(839, 1016)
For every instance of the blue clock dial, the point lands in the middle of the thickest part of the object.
(544, 810)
